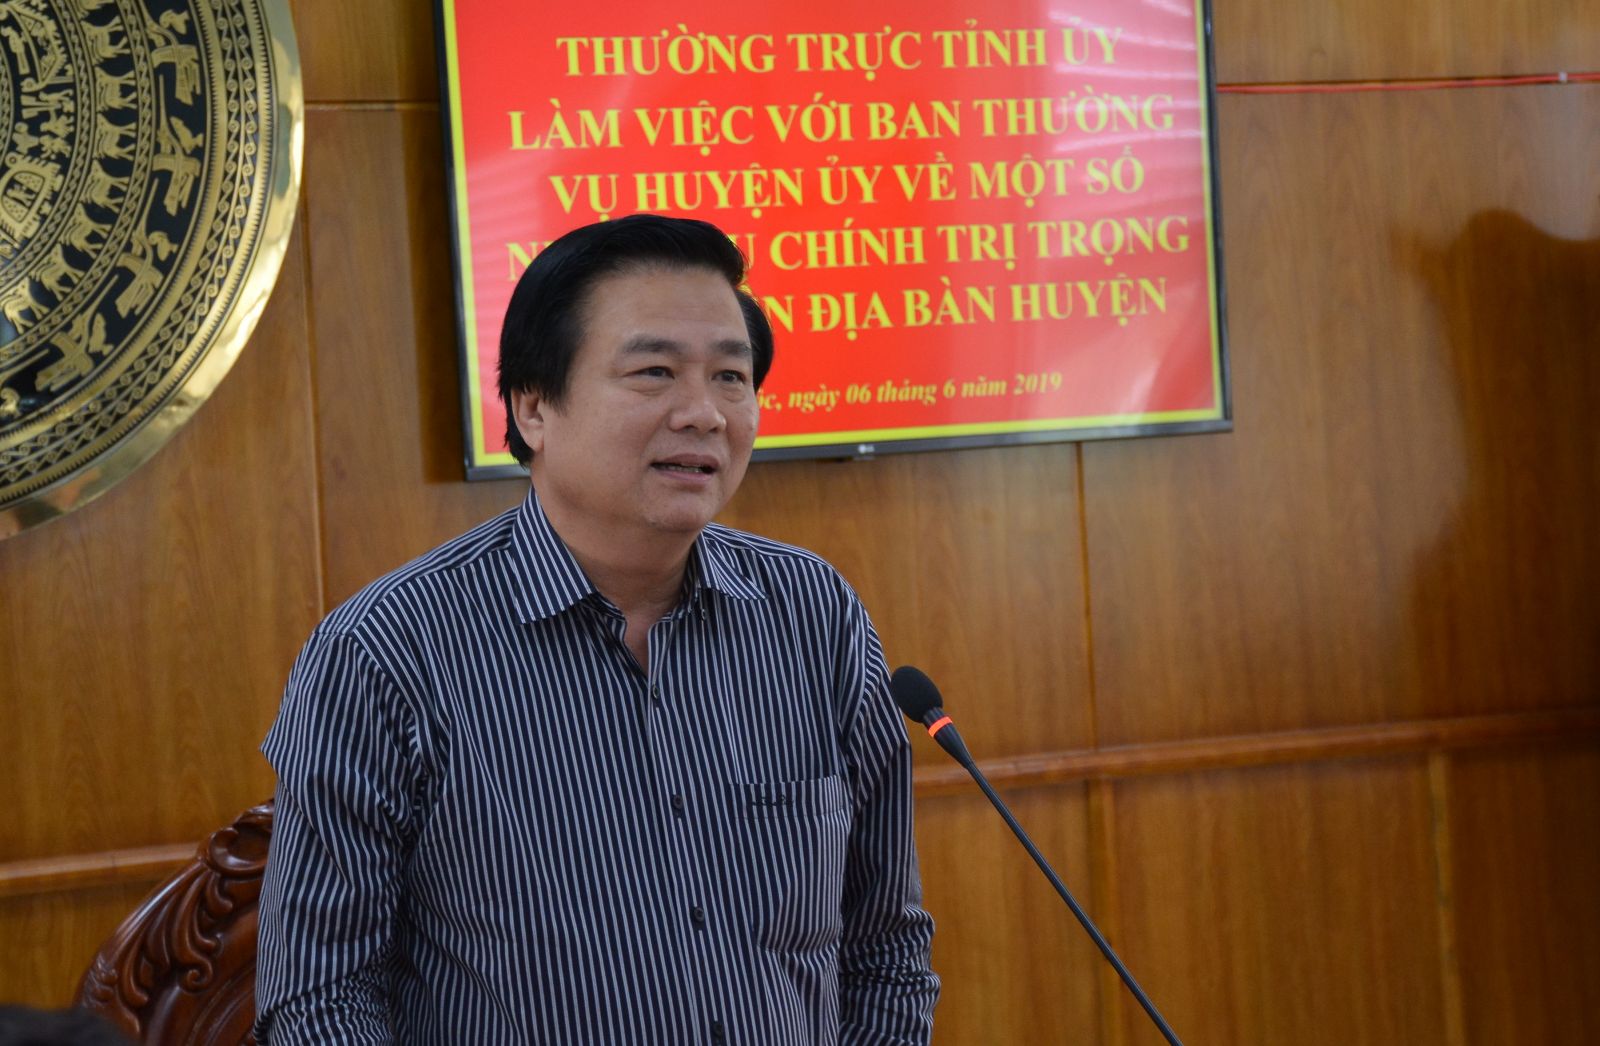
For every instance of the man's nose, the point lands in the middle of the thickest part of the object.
(696, 406)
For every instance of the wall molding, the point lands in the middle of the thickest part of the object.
(151, 864)
(84, 871)
(1323, 744)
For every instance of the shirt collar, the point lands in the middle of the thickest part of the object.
(551, 581)
(713, 565)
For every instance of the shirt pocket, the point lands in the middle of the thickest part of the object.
(796, 834)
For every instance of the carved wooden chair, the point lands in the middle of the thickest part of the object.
(181, 970)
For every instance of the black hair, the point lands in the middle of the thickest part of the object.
(544, 322)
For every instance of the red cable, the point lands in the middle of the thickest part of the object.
(1408, 85)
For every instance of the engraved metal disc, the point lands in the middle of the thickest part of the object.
(147, 190)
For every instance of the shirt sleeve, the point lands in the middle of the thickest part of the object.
(887, 985)
(344, 750)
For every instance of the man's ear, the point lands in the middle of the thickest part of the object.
(527, 413)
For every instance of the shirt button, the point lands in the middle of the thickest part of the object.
(655, 693)
(717, 1033)
(677, 805)
(697, 915)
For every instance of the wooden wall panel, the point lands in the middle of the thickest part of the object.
(147, 635)
(1014, 963)
(1260, 41)
(52, 938)
(383, 321)
(1525, 848)
(367, 50)
(1403, 522)
(1287, 904)
(970, 563)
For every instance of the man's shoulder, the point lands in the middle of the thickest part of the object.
(756, 547)
(775, 565)
(416, 586)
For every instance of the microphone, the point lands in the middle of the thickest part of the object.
(919, 699)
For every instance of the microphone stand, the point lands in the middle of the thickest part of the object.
(1066, 895)
(919, 699)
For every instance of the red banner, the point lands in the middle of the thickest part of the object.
(964, 229)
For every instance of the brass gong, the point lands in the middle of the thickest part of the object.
(148, 186)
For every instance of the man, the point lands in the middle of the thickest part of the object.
(599, 771)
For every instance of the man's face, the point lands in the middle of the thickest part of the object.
(659, 418)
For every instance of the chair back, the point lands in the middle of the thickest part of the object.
(181, 970)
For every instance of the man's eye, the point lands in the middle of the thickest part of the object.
(734, 377)
(653, 372)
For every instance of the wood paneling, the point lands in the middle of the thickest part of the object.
(154, 627)
(1281, 905)
(970, 563)
(1271, 41)
(367, 50)
(52, 939)
(1525, 834)
(383, 328)
(79, 871)
(1403, 521)
(1295, 746)
(1014, 964)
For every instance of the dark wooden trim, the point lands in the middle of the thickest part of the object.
(1293, 746)
(148, 864)
(153, 863)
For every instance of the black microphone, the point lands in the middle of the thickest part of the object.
(919, 699)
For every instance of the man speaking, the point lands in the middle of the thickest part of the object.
(599, 770)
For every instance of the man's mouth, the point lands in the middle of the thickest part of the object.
(673, 466)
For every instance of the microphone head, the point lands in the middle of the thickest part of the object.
(914, 692)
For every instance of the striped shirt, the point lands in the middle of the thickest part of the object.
(494, 827)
